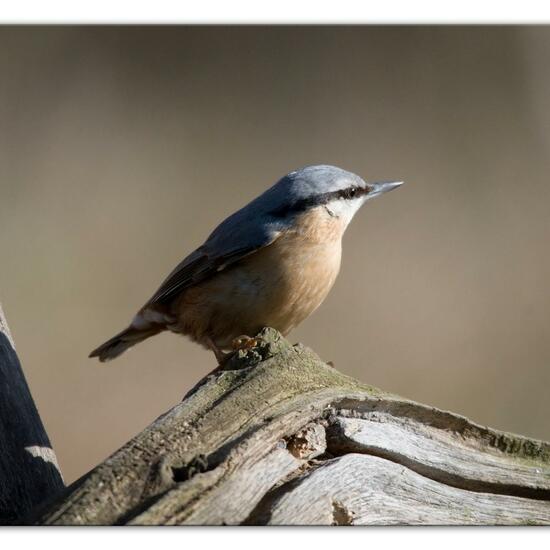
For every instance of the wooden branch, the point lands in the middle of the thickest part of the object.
(280, 437)
(29, 473)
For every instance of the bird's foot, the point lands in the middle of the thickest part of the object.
(244, 343)
(221, 356)
(247, 351)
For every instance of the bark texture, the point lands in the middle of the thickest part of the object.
(29, 473)
(280, 437)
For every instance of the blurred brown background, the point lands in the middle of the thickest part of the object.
(121, 148)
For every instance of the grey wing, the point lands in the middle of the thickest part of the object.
(230, 242)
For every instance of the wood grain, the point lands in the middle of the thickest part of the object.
(280, 437)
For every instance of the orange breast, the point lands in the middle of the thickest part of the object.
(278, 286)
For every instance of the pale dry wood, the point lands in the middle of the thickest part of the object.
(281, 437)
(29, 473)
(367, 490)
(454, 458)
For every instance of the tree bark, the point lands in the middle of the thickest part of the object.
(29, 473)
(280, 437)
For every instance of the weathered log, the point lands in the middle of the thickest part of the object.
(29, 473)
(280, 437)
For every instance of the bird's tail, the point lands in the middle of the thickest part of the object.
(123, 340)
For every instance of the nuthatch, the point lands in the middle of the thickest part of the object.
(270, 264)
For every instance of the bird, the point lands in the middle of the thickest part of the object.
(270, 264)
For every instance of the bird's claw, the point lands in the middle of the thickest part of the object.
(244, 343)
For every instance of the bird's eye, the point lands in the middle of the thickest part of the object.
(348, 193)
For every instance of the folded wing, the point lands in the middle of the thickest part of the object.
(233, 240)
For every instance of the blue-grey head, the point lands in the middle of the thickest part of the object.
(338, 191)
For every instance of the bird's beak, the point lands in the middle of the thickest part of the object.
(383, 187)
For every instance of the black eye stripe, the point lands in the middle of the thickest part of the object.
(324, 198)
(349, 193)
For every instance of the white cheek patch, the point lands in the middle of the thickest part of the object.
(344, 209)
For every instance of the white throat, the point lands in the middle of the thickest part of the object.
(344, 209)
